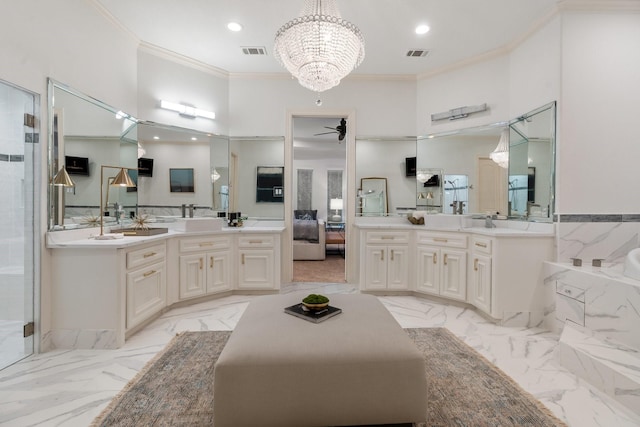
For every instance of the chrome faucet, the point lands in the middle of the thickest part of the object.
(488, 221)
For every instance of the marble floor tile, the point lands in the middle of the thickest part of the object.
(71, 387)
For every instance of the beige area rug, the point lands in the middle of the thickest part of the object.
(331, 270)
(176, 387)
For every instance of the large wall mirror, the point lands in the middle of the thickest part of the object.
(85, 134)
(532, 164)
(522, 189)
(250, 156)
(386, 157)
(188, 167)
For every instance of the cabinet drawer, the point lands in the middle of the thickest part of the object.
(570, 291)
(140, 257)
(205, 243)
(481, 245)
(442, 239)
(387, 237)
(256, 241)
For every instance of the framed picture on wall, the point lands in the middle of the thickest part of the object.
(181, 180)
(270, 184)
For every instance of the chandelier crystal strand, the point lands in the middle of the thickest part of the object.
(319, 48)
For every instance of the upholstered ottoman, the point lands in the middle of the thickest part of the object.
(357, 368)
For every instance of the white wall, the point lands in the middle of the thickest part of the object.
(479, 83)
(260, 104)
(599, 148)
(159, 78)
(71, 42)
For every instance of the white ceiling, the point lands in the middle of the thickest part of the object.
(460, 29)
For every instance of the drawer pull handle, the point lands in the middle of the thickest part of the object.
(253, 242)
(475, 264)
(445, 259)
(211, 262)
(482, 245)
(387, 237)
(440, 239)
(149, 254)
(149, 273)
(435, 258)
(200, 263)
(206, 244)
(382, 255)
(392, 254)
(242, 259)
(567, 291)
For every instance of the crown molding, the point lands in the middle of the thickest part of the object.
(182, 59)
(112, 19)
(350, 77)
(599, 5)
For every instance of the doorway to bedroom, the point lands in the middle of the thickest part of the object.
(319, 194)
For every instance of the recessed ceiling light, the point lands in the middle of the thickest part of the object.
(234, 26)
(422, 29)
(156, 137)
(193, 138)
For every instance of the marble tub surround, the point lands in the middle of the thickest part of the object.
(606, 237)
(598, 311)
(70, 388)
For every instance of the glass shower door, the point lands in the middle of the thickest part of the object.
(18, 151)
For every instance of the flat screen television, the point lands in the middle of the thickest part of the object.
(145, 167)
(77, 165)
(410, 166)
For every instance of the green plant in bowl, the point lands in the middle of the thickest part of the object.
(315, 301)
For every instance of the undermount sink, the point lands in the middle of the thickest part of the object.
(632, 264)
(198, 224)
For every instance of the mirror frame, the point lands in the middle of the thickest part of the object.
(55, 195)
(381, 182)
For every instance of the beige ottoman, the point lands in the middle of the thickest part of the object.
(357, 368)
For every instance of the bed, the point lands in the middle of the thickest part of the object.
(308, 236)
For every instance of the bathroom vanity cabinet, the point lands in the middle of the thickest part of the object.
(441, 264)
(497, 271)
(386, 260)
(205, 266)
(103, 291)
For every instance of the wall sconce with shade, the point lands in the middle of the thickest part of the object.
(337, 205)
(319, 48)
(122, 179)
(501, 154)
(62, 179)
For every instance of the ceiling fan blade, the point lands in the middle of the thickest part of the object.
(327, 127)
(324, 133)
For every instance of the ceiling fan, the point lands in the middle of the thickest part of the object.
(341, 130)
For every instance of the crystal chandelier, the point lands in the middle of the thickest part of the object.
(501, 154)
(319, 48)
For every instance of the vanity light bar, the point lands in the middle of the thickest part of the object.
(458, 113)
(186, 110)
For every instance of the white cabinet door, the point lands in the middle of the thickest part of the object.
(256, 270)
(146, 293)
(428, 270)
(218, 272)
(398, 267)
(480, 291)
(375, 267)
(192, 276)
(453, 283)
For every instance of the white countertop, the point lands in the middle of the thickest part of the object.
(84, 238)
